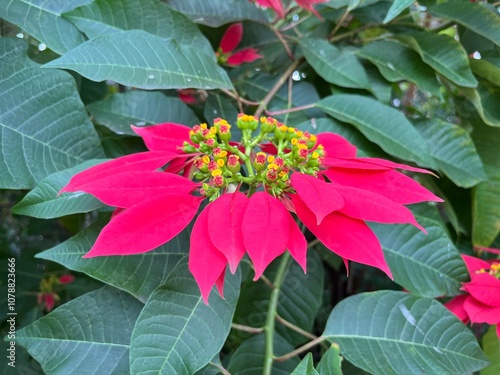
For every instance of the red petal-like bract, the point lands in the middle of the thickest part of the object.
(243, 56)
(134, 162)
(146, 225)
(336, 146)
(350, 238)
(231, 38)
(391, 184)
(321, 197)
(308, 5)
(206, 263)
(266, 228)
(297, 245)
(474, 264)
(365, 205)
(392, 165)
(164, 137)
(456, 306)
(485, 288)
(481, 313)
(273, 4)
(225, 217)
(130, 187)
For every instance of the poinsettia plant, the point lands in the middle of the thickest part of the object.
(251, 187)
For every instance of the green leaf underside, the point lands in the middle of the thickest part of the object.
(43, 201)
(442, 53)
(391, 332)
(338, 67)
(330, 363)
(139, 108)
(137, 58)
(396, 8)
(216, 13)
(381, 124)
(44, 128)
(107, 16)
(177, 333)
(76, 339)
(248, 358)
(397, 62)
(43, 20)
(473, 16)
(124, 272)
(454, 152)
(428, 265)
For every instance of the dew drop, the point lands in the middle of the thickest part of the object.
(20, 35)
(42, 47)
(151, 76)
(188, 79)
(391, 66)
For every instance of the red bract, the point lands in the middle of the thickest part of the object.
(308, 5)
(317, 178)
(481, 303)
(230, 40)
(277, 6)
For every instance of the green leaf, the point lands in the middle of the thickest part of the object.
(442, 53)
(90, 334)
(218, 106)
(43, 20)
(306, 366)
(381, 124)
(216, 13)
(396, 63)
(486, 198)
(337, 4)
(473, 16)
(137, 274)
(396, 8)
(44, 127)
(177, 333)
(425, 264)
(139, 108)
(391, 332)
(341, 68)
(140, 59)
(299, 301)
(45, 203)
(491, 347)
(330, 363)
(487, 68)
(248, 359)
(454, 152)
(485, 101)
(103, 17)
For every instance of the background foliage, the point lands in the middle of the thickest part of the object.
(413, 81)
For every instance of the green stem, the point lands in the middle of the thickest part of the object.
(271, 313)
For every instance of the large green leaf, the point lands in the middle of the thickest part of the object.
(137, 274)
(139, 108)
(474, 16)
(487, 68)
(491, 347)
(381, 124)
(330, 363)
(455, 154)
(216, 13)
(299, 301)
(177, 333)
(218, 106)
(43, 20)
(391, 332)
(306, 366)
(486, 198)
(396, 8)
(103, 17)
(90, 334)
(397, 62)
(341, 68)
(425, 264)
(442, 53)
(43, 124)
(485, 101)
(248, 359)
(337, 4)
(44, 202)
(138, 58)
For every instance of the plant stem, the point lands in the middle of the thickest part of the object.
(220, 368)
(290, 110)
(293, 327)
(248, 329)
(300, 350)
(263, 104)
(271, 313)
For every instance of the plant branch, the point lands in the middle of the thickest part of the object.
(238, 98)
(290, 110)
(272, 312)
(248, 329)
(263, 104)
(300, 350)
(339, 24)
(293, 327)
(220, 368)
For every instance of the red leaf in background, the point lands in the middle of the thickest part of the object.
(231, 38)
(308, 5)
(274, 5)
(243, 56)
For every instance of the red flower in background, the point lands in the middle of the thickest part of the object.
(277, 6)
(481, 303)
(319, 178)
(230, 40)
